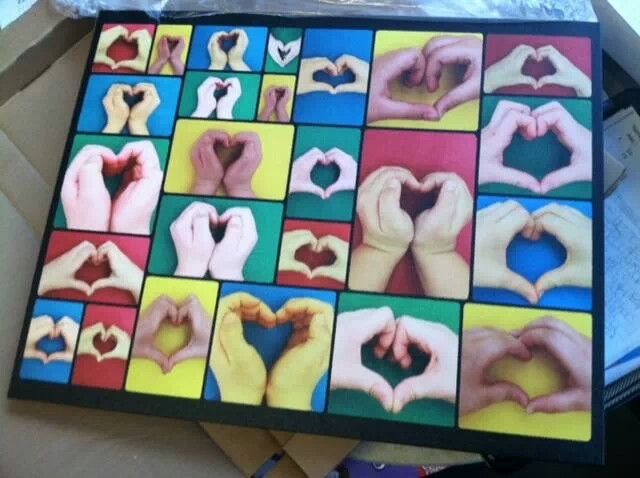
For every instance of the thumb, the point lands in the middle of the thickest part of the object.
(554, 278)
(447, 199)
(558, 178)
(231, 335)
(103, 283)
(410, 389)
(567, 401)
(389, 200)
(529, 81)
(80, 285)
(546, 80)
(518, 284)
(520, 179)
(467, 91)
(375, 385)
(506, 391)
(233, 233)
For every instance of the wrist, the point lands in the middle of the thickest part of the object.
(385, 255)
(282, 113)
(205, 186)
(226, 272)
(239, 190)
(224, 112)
(202, 111)
(138, 126)
(114, 126)
(424, 249)
(142, 229)
(189, 270)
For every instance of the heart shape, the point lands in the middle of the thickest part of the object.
(335, 78)
(283, 54)
(125, 47)
(228, 153)
(537, 67)
(314, 172)
(315, 256)
(134, 99)
(51, 344)
(172, 337)
(103, 343)
(227, 41)
(93, 269)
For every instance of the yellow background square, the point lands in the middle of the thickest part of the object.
(186, 378)
(536, 377)
(464, 117)
(269, 180)
(183, 31)
(278, 80)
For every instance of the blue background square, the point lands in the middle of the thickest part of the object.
(200, 59)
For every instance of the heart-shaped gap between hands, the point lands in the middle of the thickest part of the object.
(220, 90)
(283, 52)
(537, 68)
(104, 345)
(325, 174)
(388, 367)
(172, 337)
(345, 76)
(228, 154)
(50, 345)
(123, 49)
(132, 100)
(315, 258)
(228, 41)
(413, 202)
(92, 270)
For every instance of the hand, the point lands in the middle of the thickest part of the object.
(360, 69)
(228, 101)
(508, 70)
(237, 178)
(566, 73)
(140, 112)
(193, 240)
(231, 253)
(573, 231)
(237, 366)
(292, 50)
(68, 329)
(308, 66)
(148, 324)
(481, 348)
(284, 96)
(291, 242)
(573, 351)
(496, 226)
(207, 165)
(301, 173)
(454, 50)
(206, 99)
(270, 100)
(125, 274)
(437, 229)
(438, 380)
(123, 343)
(39, 328)
(116, 108)
(218, 55)
(108, 38)
(236, 52)
(575, 137)
(85, 199)
(139, 63)
(60, 272)
(85, 341)
(348, 171)
(191, 311)
(353, 330)
(164, 52)
(340, 248)
(175, 60)
(408, 64)
(295, 375)
(137, 197)
(508, 119)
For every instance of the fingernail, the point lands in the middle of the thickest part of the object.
(450, 186)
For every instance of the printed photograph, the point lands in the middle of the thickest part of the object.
(169, 50)
(231, 48)
(123, 48)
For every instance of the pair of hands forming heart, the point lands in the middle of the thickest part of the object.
(355, 329)
(483, 347)
(141, 37)
(310, 66)
(276, 99)
(117, 342)
(423, 68)
(217, 95)
(222, 161)
(170, 51)
(120, 114)
(237, 42)
(60, 273)
(497, 225)
(292, 241)
(510, 118)
(301, 181)
(86, 201)
(44, 326)
(164, 309)
(197, 250)
(283, 54)
(508, 71)
(238, 367)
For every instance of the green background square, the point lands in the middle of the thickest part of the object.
(261, 265)
(424, 411)
(285, 35)
(339, 207)
(245, 107)
(115, 143)
(542, 155)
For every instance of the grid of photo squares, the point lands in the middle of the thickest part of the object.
(382, 224)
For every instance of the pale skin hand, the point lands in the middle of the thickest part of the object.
(175, 59)
(575, 137)
(340, 248)
(573, 351)
(123, 343)
(348, 171)
(206, 99)
(218, 56)
(143, 346)
(295, 375)
(387, 230)
(140, 112)
(237, 178)
(566, 74)
(116, 108)
(360, 69)
(85, 341)
(137, 197)
(353, 330)
(139, 63)
(301, 173)
(449, 50)
(208, 167)
(291, 242)
(496, 226)
(240, 238)
(573, 230)
(481, 348)
(125, 274)
(108, 38)
(237, 366)
(192, 312)
(60, 272)
(85, 199)
(67, 329)
(407, 65)
(228, 101)
(436, 234)
(39, 327)
(192, 239)
(508, 119)
(120, 351)
(308, 66)
(237, 51)
(164, 52)
(438, 381)
(508, 70)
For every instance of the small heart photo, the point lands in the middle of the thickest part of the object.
(169, 50)
(283, 48)
(123, 48)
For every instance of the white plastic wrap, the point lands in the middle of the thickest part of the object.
(576, 10)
